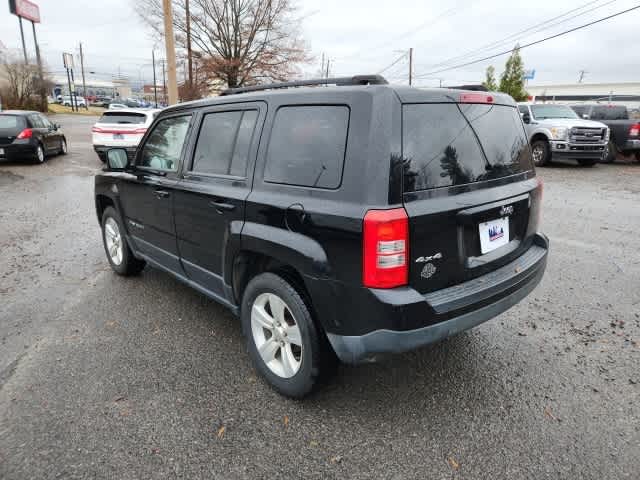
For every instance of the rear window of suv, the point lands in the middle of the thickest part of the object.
(307, 146)
(455, 144)
(123, 117)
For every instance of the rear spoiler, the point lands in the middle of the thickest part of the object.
(473, 88)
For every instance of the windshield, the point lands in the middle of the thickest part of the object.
(122, 117)
(542, 112)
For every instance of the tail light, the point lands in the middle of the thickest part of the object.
(140, 130)
(26, 133)
(385, 248)
(634, 131)
(96, 130)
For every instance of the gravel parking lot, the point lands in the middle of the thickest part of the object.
(106, 377)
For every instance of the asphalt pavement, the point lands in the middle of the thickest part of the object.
(104, 377)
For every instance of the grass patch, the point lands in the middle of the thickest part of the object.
(93, 111)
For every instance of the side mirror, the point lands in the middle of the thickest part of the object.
(117, 159)
(526, 118)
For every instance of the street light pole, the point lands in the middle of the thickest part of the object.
(171, 52)
(155, 85)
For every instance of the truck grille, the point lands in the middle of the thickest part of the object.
(587, 135)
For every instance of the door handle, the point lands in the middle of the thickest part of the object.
(221, 206)
(161, 193)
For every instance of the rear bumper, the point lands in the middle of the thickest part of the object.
(572, 150)
(19, 149)
(459, 307)
(631, 146)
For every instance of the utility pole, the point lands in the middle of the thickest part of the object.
(328, 60)
(24, 46)
(582, 74)
(189, 56)
(43, 92)
(84, 84)
(410, 65)
(164, 85)
(322, 66)
(155, 85)
(171, 51)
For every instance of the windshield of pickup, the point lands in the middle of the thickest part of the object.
(543, 112)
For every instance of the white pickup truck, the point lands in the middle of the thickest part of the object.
(556, 131)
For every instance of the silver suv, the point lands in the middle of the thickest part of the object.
(555, 131)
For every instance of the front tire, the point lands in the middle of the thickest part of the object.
(541, 153)
(119, 255)
(284, 343)
(63, 147)
(611, 153)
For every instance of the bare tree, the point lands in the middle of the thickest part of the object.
(20, 86)
(238, 42)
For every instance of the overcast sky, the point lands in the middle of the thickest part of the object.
(366, 37)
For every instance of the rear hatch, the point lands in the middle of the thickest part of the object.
(118, 128)
(469, 188)
(10, 128)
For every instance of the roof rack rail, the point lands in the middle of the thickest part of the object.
(339, 81)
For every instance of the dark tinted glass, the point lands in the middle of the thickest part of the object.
(523, 109)
(36, 121)
(163, 147)
(223, 143)
(307, 146)
(608, 112)
(122, 117)
(579, 109)
(11, 122)
(449, 144)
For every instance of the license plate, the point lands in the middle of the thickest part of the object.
(494, 234)
(1, 151)
(118, 136)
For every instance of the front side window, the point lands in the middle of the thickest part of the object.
(223, 143)
(308, 145)
(163, 147)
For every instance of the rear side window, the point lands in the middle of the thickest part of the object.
(308, 145)
(11, 122)
(609, 112)
(122, 117)
(451, 144)
(223, 143)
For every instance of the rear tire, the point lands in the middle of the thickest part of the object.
(541, 153)
(119, 255)
(39, 156)
(587, 162)
(294, 356)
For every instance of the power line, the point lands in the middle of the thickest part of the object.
(401, 57)
(531, 43)
(544, 25)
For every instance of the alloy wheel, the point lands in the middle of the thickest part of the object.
(538, 154)
(113, 240)
(40, 154)
(276, 335)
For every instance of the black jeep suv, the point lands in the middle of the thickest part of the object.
(345, 221)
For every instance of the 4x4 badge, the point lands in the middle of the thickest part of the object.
(437, 256)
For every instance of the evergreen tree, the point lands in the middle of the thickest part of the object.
(511, 80)
(490, 80)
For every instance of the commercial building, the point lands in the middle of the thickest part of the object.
(627, 93)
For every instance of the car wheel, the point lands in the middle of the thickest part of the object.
(610, 153)
(39, 156)
(540, 152)
(587, 162)
(120, 256)
(63, 147)
(284, 343)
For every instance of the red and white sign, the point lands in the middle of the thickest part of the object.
(25, 9)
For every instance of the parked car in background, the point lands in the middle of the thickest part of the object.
(27, 135)
(117, 106)
(67, 101)
(122, 128)
(101, 101)
(556, 132)
(347, 221)
(625, 131)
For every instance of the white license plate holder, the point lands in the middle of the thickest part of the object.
(493, 234)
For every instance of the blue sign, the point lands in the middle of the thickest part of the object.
(529, 74)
